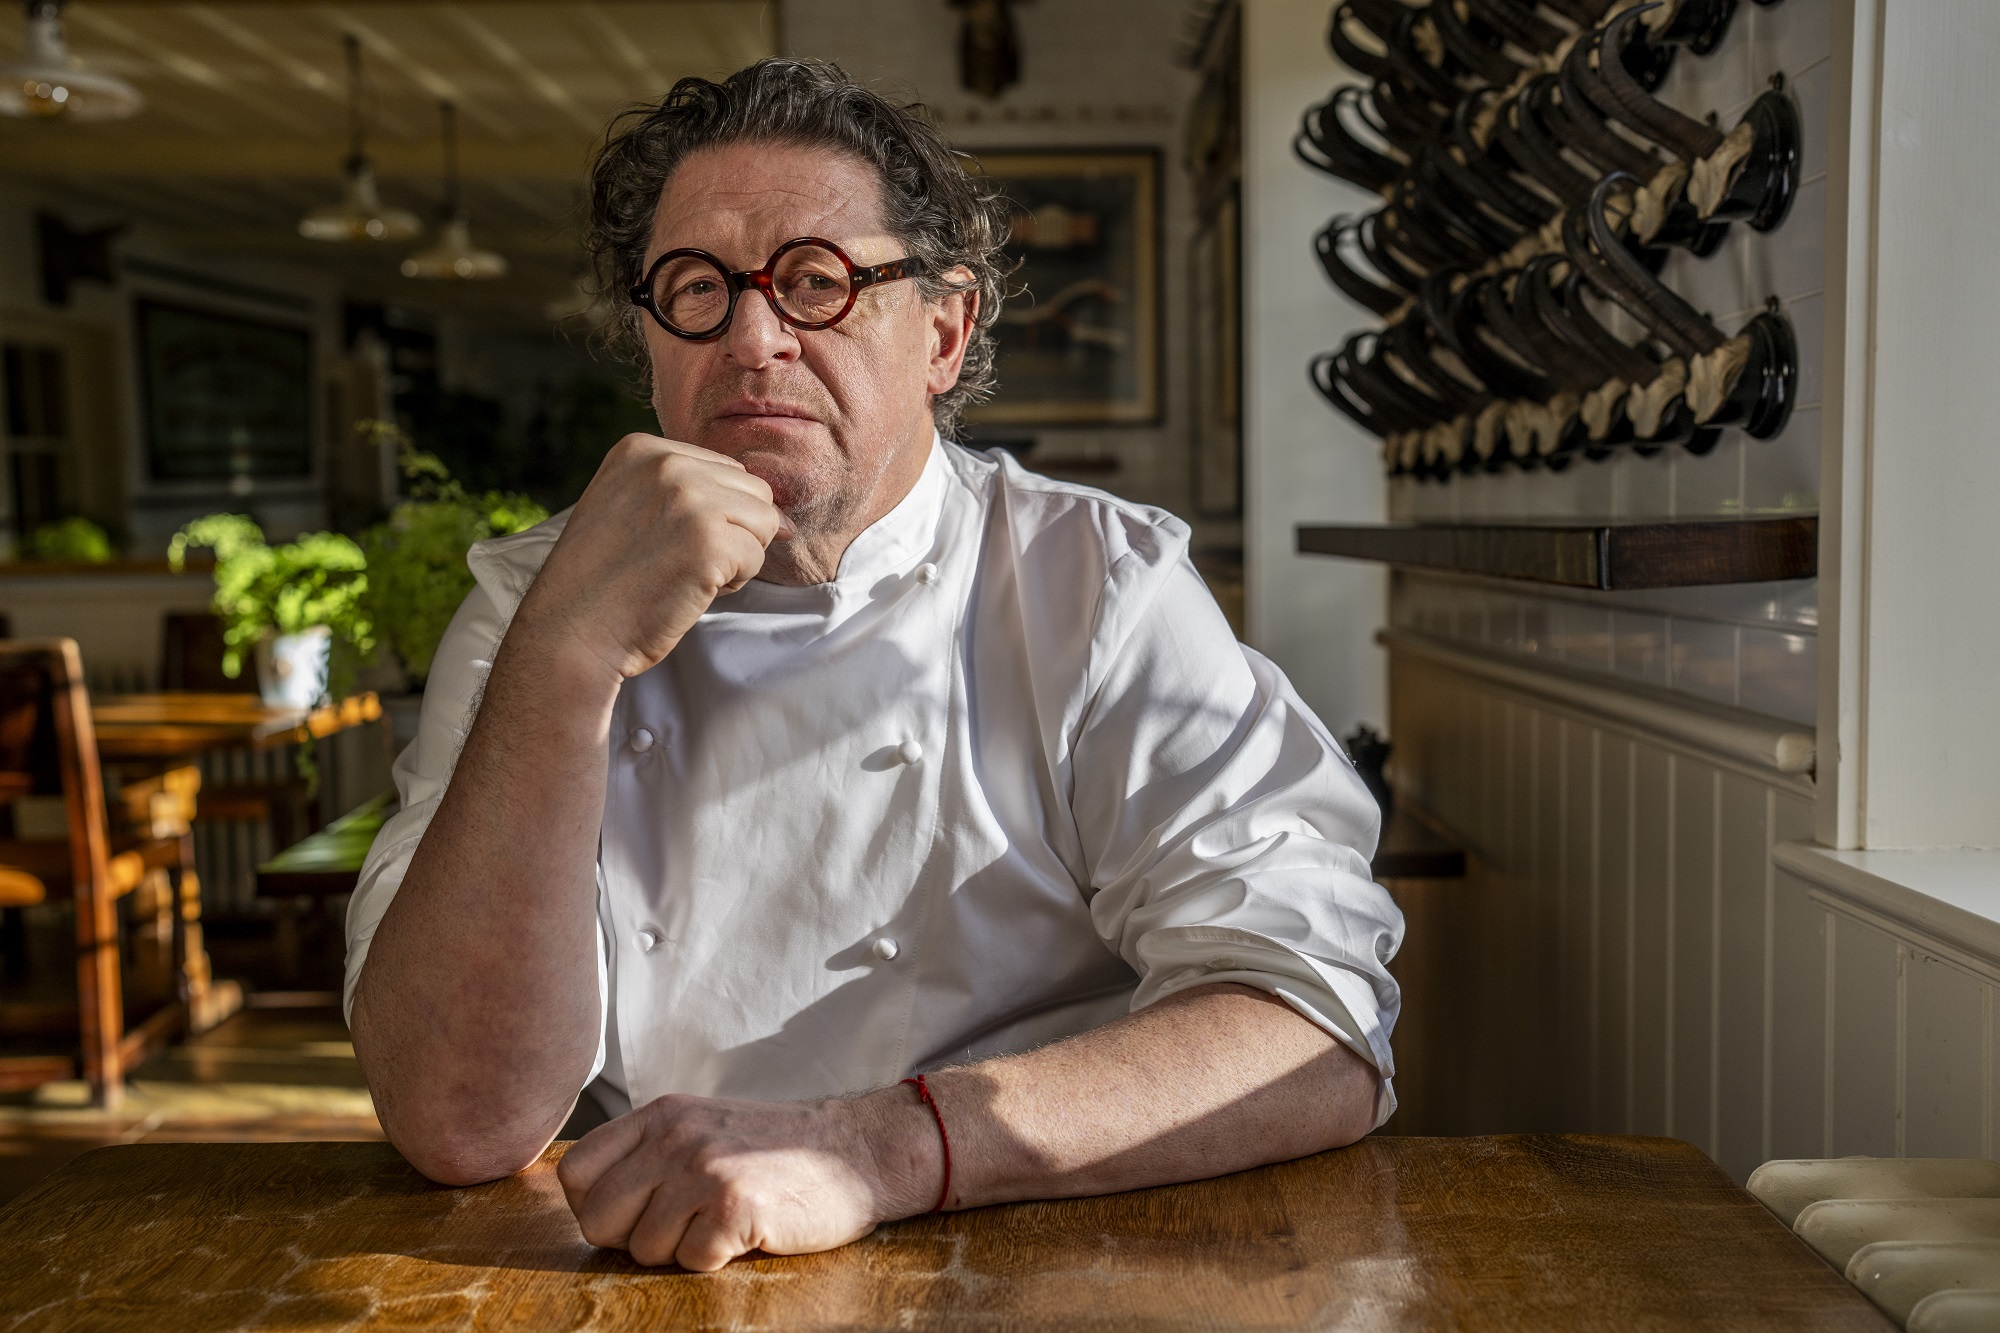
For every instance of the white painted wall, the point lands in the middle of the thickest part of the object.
(1316, 617)
(1913, 448)
(1626, 956)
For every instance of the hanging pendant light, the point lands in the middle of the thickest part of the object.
(361, 215)
(454, 256)
(47, 82)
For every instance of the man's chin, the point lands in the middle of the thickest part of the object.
(738, 435)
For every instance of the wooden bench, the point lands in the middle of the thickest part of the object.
(314, 869)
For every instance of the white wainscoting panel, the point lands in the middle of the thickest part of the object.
(1624, 955)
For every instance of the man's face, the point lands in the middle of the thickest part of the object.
(837, 420)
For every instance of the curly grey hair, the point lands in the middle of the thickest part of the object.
(945, 215)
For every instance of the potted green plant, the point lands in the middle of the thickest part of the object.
(290, 606)
(417, 574)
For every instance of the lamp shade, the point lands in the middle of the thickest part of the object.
(455, 256)
(46, 82)
(360, 215)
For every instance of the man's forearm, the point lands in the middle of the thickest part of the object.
(1211, 1080)
(476, 1013)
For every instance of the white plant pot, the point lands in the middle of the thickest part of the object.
(291, 668)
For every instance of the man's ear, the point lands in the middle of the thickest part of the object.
(952, 321)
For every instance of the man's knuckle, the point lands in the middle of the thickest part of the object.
(649, 1252)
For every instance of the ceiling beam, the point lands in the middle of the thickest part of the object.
(121, 153)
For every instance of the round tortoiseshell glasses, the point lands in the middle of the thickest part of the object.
(810, 283)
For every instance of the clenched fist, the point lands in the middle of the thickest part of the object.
(663, 529)
(700, 1180)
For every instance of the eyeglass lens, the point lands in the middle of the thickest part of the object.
(809, 283)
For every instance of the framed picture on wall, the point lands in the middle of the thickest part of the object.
(1080, 346)
(223, 396)
(1215, 285)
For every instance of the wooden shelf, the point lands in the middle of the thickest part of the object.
(1603, 556)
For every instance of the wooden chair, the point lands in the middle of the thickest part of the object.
(63, 841)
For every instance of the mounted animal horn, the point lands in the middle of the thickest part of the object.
(1581, 326)
(1699, 25)
(1382, 300)
(1357, 382)
(1637, 109)
(1662, 215)
(1614, 270)
(1528, 207)
(1473, 45)
(1521, 26)
(1388, 261)
(1583, 13)
(1568, 113)
(1572, 366)
(1497, 218)
(1380, 17)
(1350, 52)
(1434, 190)
(1749, 174)
(1410, 338)
(1407, 118)
(1409, 66)
(1500, 369)
(1520, 131)
(1750, 379)
(1325, 143)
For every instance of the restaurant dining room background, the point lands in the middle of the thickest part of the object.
(1652, 630)
(320, 270)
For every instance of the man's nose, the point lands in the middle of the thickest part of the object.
(756, 336)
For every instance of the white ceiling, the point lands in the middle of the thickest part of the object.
(245, 123)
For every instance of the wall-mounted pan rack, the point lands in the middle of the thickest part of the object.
(1603, 556)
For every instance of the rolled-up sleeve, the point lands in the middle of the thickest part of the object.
(1228, 836)
(451, 700)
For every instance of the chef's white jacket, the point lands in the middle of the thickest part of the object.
(1007, 777)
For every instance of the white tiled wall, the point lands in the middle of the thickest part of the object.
(1749, 645)
(1742, 475)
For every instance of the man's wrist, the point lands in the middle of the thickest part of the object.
(898, 1150)
(558, 657)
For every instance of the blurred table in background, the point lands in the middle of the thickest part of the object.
(260, 794)
(138, 727)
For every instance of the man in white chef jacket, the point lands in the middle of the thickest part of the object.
(810, 752)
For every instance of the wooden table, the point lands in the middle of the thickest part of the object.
(159, 726)
(1528, 1233)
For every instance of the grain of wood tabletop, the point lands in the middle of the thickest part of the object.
(1518, 1232)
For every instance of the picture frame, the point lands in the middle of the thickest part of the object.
(1080, 333)
(223, 396)
(1215, 285)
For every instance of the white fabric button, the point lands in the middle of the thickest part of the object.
(927, 572)
(642, 741)
(886, 948)
(910, 752)
(649, 940)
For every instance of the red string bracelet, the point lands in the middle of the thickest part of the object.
(924, 1091)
